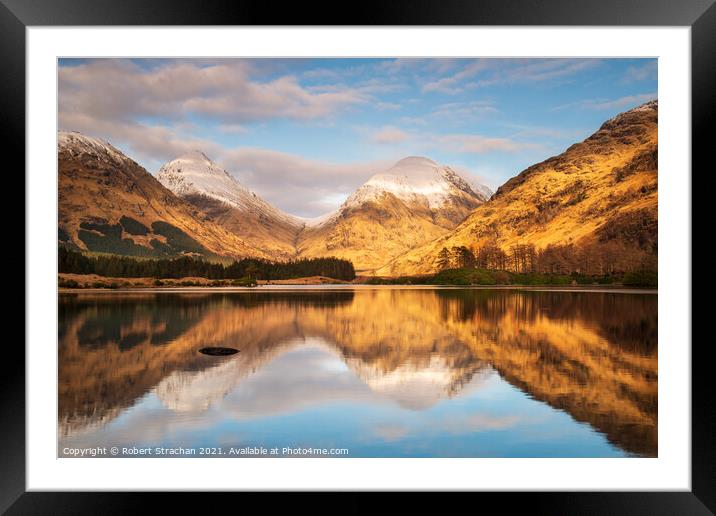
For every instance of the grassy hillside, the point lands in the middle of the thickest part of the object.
(599, 196)
(110, 204)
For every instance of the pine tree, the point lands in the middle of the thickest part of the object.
(443, 261)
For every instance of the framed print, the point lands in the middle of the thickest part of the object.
(416, 250)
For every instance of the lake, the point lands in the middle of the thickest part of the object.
(359, 372)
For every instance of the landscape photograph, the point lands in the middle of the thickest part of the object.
(357, 257)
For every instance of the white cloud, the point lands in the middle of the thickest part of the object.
(473, 143)
(417, 142)
(453, 83)
(388, 106)
(150, 145)
(390, 134)
(232, 128)
(464, 111)
(535, 70)
(297, 185)
(412, 120)
(488, 72)
(121, 89)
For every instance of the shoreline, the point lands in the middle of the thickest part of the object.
(68, 283)
(360, 286)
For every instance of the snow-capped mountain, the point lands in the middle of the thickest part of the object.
(79, 146)
(416, 179)
(108, 203)
(195, 174)
(197, 179)
(411, 203)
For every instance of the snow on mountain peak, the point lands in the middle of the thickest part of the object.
(195, 169)
(199, 162)
(647, 106)
(415, 178)
(77, 143)
(194, 173)
(633, 115)
(195, 155)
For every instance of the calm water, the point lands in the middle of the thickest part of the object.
(379, 372)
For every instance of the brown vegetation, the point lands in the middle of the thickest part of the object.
(96, 190)
(593, 207)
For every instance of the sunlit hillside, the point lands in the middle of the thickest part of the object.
(599, 195)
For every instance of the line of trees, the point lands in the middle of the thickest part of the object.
(599, 258)
(125, 267)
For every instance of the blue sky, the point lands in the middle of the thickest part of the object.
(304, 133)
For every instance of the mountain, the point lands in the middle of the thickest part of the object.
(599, 196)
(215, 192)
(108, 203)
(412, 203)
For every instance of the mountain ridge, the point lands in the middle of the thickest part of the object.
(195, 178)
(411, 203)
(110, 204)
(413, 188)
(599, 196)
(599, 193)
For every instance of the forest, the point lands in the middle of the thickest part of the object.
(124, 267)
(596, 259)
(602, 263)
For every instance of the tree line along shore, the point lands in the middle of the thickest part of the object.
(78, 270)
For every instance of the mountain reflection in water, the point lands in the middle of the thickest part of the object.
(587, 360)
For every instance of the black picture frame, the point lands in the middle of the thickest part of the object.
(700, 15)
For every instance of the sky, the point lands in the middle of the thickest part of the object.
(305, 133)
